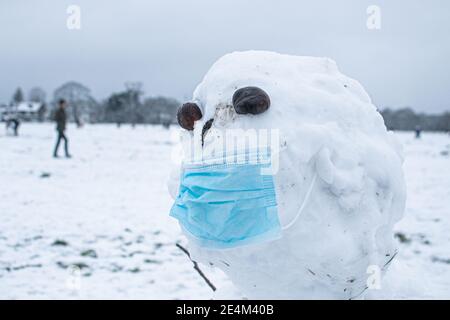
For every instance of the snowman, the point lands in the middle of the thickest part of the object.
(290, 182)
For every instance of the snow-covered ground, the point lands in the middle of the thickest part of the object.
(423, 264)
(105, 211)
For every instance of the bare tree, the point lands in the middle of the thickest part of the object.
(18, 96)
(161, 110)
(37, 94)
(407, 119)
(124, 107)
(134, 92)
(79, 100)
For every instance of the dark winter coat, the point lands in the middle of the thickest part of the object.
(60, 119)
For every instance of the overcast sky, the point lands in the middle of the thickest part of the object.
(170, 44)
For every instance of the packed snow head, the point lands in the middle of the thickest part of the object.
(338, 183)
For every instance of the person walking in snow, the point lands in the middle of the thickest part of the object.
(14, 123)
(418, 131)
(61, 119)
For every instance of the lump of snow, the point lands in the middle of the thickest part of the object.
(328, 128)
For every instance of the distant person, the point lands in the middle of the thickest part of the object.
(166, 120)
(418, 131)
(14, 123)
(78, 122)
(61, 119)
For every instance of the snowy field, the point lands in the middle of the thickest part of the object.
(97, 225)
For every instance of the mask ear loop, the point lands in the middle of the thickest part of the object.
(305, 201)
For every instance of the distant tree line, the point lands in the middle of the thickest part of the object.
(407, 119)
(127, 106)
(130, 106)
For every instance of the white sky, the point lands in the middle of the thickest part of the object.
(170, 44)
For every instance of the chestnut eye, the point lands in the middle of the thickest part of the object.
(187, 114)
(251, 100)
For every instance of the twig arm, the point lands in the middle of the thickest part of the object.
(196, 267)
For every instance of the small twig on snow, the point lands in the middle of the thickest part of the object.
(196, 267)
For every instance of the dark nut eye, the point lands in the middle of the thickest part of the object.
(251, 100)
(187, 114)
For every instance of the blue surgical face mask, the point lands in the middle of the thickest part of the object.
(225, 205)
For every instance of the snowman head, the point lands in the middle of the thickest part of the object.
(325, 127)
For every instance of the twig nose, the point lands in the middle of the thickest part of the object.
(205, 129)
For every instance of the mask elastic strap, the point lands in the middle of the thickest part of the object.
(305, 201)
